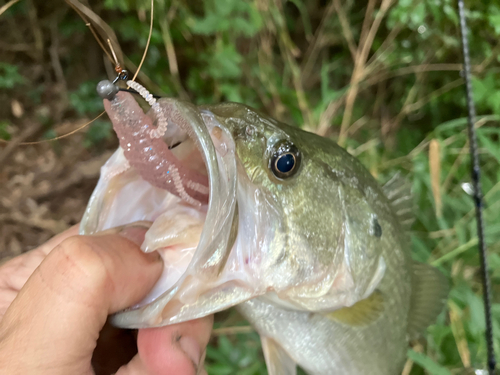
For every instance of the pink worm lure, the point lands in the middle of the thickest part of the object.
(144, 147)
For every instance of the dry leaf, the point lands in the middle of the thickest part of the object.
(435, 168)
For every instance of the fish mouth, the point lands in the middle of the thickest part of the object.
(195, 241)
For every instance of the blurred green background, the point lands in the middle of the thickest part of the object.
(381, 77)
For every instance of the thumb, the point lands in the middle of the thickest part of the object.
(53, 324)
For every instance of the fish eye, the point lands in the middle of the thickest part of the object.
(285, 161)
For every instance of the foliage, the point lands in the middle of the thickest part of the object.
(84, 100)
(4, 133)
(9, 76)
(384, 82)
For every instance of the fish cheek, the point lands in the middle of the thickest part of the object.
(366, 230)
(249, 151)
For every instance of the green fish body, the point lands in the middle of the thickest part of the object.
(297, 234)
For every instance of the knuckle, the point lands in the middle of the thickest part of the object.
(83, 260)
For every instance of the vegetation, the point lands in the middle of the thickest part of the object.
(381, 77)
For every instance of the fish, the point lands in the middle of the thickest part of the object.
(281, 223)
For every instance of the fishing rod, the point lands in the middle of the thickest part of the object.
(477, 192)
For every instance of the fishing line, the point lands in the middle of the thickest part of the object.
(59, 137)
(478, 198)
(147, 43)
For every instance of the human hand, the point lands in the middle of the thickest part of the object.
(54, 303)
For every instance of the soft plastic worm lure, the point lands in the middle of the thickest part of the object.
(144, 147)
(162, 121)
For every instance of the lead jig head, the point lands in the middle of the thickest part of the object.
(107, 90)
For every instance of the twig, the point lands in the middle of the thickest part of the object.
(408, 367)
(172, 58)
(315, 45)
(232, 330)
(7, 6)
(364, 147)
(287, 47)
(54, 226)
(11, 145)
(359, 64)
(442, 90)
(346, 29)
(365, 27)
(54, 56)
(328, 114)
(411, 70)
(36, 30)
(454, 167)
(394, 123)
(100, 29)
(18, 47)
(265, 55)
(82, 171)
(387, 45)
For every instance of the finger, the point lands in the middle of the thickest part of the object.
(23, 265)
(67, 299)
(15, 272)
(135, 367)
(48, 246)
(175, 349)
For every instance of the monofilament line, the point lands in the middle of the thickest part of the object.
(478, 198)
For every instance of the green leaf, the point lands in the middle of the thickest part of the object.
(84, 100)
(9, 76)
(494, 18)
(417, 15)
(427, 363)
(4, 132)
(98, 132)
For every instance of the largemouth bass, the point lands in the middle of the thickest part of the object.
(284, 224)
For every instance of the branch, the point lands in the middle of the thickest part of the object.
(346, 29)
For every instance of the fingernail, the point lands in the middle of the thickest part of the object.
(191, 347)
(119, 229)
(134, 234)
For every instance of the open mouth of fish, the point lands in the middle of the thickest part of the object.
(183, 186)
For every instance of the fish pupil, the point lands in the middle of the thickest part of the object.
(285, 163)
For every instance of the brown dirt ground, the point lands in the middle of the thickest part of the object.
(44, 188)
